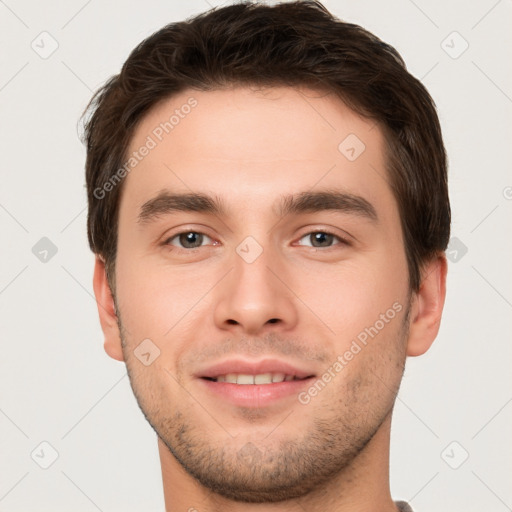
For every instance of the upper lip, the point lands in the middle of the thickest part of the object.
(246, 367)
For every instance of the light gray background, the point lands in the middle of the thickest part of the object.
(57, 384)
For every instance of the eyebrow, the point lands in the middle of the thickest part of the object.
(311, 202)
(305, 202)
(165, 203)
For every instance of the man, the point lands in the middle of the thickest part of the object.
(268, 206)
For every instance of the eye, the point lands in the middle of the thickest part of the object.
(319, 239)
(188, 240)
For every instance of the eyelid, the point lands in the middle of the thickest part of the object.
(171, 234)
(177, 235)
(344, 237)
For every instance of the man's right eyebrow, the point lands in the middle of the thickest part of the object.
(166, 202)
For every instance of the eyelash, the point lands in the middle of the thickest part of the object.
(341, 240)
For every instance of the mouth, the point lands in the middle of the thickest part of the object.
(259, 379)
(254, 384)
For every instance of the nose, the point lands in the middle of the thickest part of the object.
(256, 297)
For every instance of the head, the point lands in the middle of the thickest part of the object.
(267, 186)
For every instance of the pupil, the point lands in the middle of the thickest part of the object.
(324, 239)
(191, 240)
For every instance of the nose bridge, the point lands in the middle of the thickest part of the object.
(252, 276)
(254, 297)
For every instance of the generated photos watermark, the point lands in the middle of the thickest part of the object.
(157, 135)
(356, 346)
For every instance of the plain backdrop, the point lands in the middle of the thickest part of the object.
(450, 446)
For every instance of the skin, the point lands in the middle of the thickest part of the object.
(296, 302)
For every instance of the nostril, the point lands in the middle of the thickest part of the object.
(273, 320)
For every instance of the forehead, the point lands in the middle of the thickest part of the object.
(252, 145)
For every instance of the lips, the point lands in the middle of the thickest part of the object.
(253, 384)
(259, 372)
(261, 378)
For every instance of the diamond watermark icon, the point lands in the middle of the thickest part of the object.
(44, 455)
(44, 250)
(454, 45)
(45, 45)
(250, 454)
(455, 455)
(456, 249)
(351, 147)
(146, 352)
(249, 249)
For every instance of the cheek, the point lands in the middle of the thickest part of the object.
(352, 295)
(158, 301)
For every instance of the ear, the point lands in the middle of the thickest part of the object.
(107, 311)
(427, 307)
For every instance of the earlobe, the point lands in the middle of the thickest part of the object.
(427, 307)
(107, 311)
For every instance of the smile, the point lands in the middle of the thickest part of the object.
(261, 378)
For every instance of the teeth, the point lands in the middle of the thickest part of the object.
(262, 378)
(245, 379)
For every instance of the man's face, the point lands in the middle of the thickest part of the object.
(255, 288)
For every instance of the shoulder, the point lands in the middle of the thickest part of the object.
(403, 506)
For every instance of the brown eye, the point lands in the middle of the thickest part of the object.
(188, 240)
(319, 239)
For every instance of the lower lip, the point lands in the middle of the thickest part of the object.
(256, 395)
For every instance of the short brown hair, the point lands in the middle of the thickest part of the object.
(292, 44)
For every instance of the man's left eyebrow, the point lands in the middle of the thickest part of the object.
(311, 202)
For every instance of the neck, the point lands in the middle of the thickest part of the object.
(361, 487)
